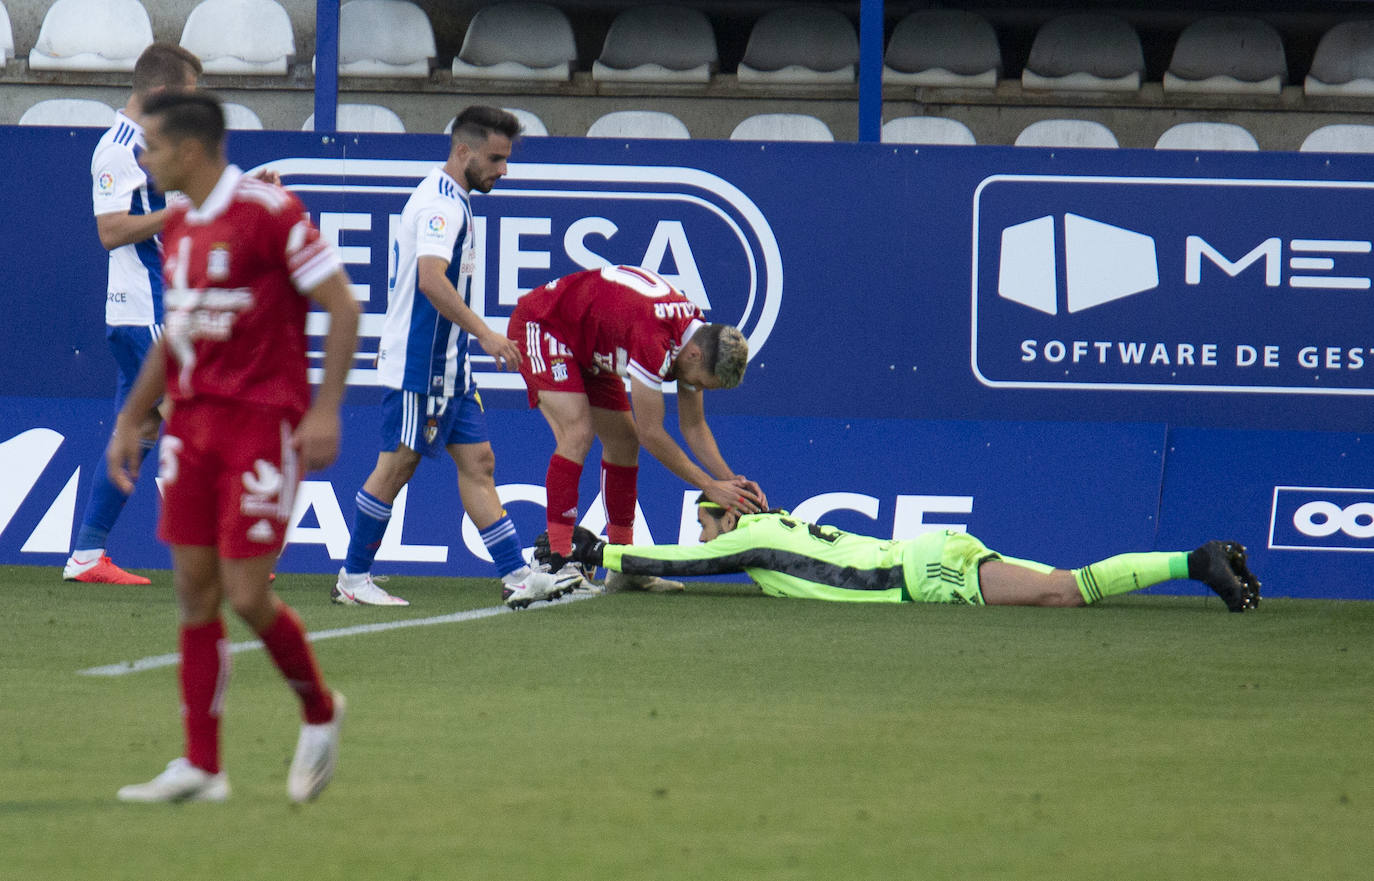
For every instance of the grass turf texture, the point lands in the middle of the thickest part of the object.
(720, 734)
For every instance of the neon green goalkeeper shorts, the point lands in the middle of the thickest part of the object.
(942, 567)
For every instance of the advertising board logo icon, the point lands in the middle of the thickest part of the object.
(1102, 263)
(1322, 518)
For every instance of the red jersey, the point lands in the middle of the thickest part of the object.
(619, 319)
(236, 269)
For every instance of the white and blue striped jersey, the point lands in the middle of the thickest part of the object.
(133, 294)
(422, 351)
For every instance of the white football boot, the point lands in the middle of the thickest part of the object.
(529, 585)
(182, 781)
(362, 590)
(317, 752)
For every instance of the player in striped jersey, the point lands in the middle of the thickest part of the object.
(431, 404)
(788, 557)
(129, 213)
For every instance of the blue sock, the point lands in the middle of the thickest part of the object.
(104, 505)
(503, 543)
(368, 528)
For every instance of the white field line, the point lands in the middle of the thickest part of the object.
(155, 662)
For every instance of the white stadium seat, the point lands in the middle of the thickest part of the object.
(6, 37)
(926, 130)
(658, 44)
(943, 47)
(531, 126)
(251, 37)
(237, 117)
(1228, 54)
(782, 127)
(69, 112)
(517, 40)
(638, 124)
(1085, 51)
(1344, 61)
(1345, 138)
(1066, 133)
(801, 44)
(94, 35)
(385, 38)
(362, 118)
(1206, 136)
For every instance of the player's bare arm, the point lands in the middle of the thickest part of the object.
(116, 229)
(122, 456)
(434, 284)
(691, 420)
(317, 436)
(649, 409)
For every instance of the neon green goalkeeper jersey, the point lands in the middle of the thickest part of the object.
(788, 557)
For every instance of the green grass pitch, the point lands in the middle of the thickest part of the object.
(717, 735)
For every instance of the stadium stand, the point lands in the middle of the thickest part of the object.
(520, 41)
(1228, 54)
(926, 130)
(92, 35)
(800, 44)
(1066, 133)
(69, 111)
(1206, 136)
(385, 38)
(943, 47)
(639, 124)
(1086, 51)
(1343, 138)
(362, 118)
(782, 127)
(6, 37)
(658, 44)
(1343, 63)
(241, 118)
(530, 124)
(244, 37)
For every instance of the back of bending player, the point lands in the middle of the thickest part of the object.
(788, 557)
(582, 335)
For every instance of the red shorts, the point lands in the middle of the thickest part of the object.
(229, 478)
(548, 364)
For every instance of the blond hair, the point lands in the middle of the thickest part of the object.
(724, 352)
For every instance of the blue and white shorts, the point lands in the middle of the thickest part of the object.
(428, 424)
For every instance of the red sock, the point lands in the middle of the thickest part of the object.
(560, 486)
(618, 493)
(285, 641)
(204, 676)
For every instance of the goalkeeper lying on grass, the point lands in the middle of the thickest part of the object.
(792, 558)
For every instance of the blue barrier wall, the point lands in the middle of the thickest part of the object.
(1069, 353)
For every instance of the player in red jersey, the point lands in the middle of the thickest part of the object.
(239, 256)
(581, 336)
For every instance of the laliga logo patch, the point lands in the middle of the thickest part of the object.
(436, 225)
(105, 183)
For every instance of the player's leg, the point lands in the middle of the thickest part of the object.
(88, 561)
(569, 417)
(1010, 581)
(403, 425)
(1018, 583)
(249, 593)
(204, 675)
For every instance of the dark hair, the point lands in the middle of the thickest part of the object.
(479, 122)
(162, 65)
(716, 512)
(196, 114)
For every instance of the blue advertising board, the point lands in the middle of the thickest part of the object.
(1069, 353)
